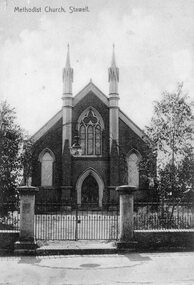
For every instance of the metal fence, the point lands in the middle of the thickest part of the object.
(56, 221)
(162, 216)
(9, 217)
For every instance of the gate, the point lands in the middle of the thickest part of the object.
(56, 221)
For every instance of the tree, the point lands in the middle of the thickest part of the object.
(171, 132)
(11, 138)
(27, 160)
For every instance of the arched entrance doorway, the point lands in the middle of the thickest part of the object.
(89, 192)
(92, 186)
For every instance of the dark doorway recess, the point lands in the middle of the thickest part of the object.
(90, 195)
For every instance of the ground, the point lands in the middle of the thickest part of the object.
(117, 269)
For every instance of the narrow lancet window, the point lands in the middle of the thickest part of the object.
(46, 159)
(133, 170)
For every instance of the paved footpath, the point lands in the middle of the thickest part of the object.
(76, 247)
(117, 269)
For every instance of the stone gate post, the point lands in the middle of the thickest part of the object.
(192, 209)
(126, 216)
(26, 243)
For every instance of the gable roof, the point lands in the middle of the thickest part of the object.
(132, 125)
(79, 96)
(47, 126)
(91, 87)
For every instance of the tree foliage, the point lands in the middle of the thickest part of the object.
(11, 138)
(171, 131)
(26, 160)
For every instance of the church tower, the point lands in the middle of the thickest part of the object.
(67, 129)
(113, 78)
(67, 101)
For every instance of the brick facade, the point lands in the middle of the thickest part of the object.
(110, 166)
(53, 141)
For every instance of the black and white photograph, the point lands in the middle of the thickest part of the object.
(96, 142)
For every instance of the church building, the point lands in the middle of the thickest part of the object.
(110, 146)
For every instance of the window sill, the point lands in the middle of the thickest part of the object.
(92, 155)
(88, 156)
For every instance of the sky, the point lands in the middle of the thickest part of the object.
(154, 47)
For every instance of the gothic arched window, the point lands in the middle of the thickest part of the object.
(90, 131)
(133, 170)
(46, 158)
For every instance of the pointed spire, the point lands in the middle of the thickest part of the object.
(113, 75)
(67, 75)
(113, 64)
(68, 65)
(113, 78)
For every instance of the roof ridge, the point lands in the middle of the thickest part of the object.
(46, 124)
(87, 85)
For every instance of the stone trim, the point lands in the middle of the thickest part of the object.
(43, 153)
(27, 190)
(98, 116)
(66, 187)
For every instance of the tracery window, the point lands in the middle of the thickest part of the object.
(91, 133)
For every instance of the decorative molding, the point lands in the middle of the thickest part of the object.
(98, 116)
(136, 152)
(45, 150)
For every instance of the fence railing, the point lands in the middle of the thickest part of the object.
(67, 221)
(58, 221)
(9, 217)
(161, 216)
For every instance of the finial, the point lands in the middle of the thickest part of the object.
(68, 57)
(90, 80)
(113, 73)
(68, 47)
(113, 56)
